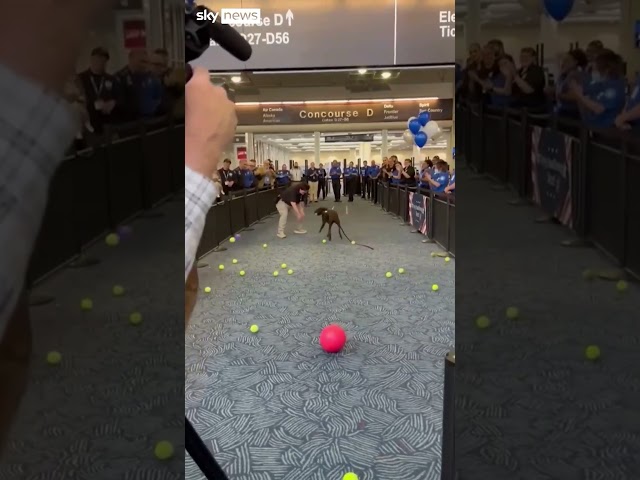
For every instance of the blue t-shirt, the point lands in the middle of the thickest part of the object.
(611, 95)
(364, 171)
(497, 99)
(395, 177)
(248, 178)
(351, 172)
(442, 178)
(634, 101)
(374, 170)
(335, 172)
(282, 177)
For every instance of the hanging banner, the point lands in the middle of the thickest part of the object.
(241, 153)
(418, 212)
(551, 154)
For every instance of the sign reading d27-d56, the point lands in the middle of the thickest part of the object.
(309, 34)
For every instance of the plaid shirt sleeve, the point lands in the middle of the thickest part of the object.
(199, 195)
(35, 130)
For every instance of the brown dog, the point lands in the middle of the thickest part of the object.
(330, 217)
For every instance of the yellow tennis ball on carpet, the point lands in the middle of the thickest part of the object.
(112, 239)
(284, 265)
(350, 476)
(512, 313)
(276, 273)
(242, 273)
(164, 450)
(324, 240)
(290, 272)
(54, 358)
(254, 328)
(447, 259)
(234, 261)
(232, 240)
(401, 270)
(220, 267)
(264, 245)
(388, 274)
(622, 286)
(483, 321)
(588, 274)
(353, 242)
(207, 289)
(117, 290)
(592, 352)
(86, 304)
(135, 318)
(435, 287)
(433, 254)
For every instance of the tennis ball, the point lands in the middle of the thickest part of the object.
(284, 265)
(512, 313)
(353, 242)
(290, 272)
(163, 450)
(54, 358)
(592, 352)
(588, 274)
(264, 245)
(220, 267)
(401, 270)
(435, 287)
(254, 328)
(242, 273)
(117, 290)
(207, 289)
(232, 240)
(447, 259)
(234, 261)
(275, 274)
(622, 286)
(86, 304)
(483, 321)
(433, 254)
(350, 476)
(388, 274)
(324, 240)
(112, 239)
(135, 318)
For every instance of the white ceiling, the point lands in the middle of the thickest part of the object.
(517, 12)
(304, 142)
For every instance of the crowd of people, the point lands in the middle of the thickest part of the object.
(146, 87)
(591, 85)
(434, 175)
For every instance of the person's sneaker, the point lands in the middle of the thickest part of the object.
(300, 231)
(281, 235)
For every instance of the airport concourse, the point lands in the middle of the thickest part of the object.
(263, 389)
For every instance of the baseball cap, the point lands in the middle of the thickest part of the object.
(100, 52)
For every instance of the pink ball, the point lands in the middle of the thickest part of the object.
(332, 338)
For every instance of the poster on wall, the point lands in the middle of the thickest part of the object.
(241, 153)
(135, 33)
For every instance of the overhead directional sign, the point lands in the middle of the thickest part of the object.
(307, 34)
(358, 137)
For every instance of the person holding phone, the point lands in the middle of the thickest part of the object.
(292, 199)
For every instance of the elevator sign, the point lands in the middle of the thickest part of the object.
(324, 34)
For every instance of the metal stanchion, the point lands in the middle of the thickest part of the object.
(448, 418)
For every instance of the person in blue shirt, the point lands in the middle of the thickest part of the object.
(425, 169)
(571, 69)
(396, 173)
(283, 177)
(630, 118)
(335, 172)
(602, 99)
(322, 182)
(351, 179)
(440, 179)
(451, 188)
(374, 174)
(364, 179)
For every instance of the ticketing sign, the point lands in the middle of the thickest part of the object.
(307, 34)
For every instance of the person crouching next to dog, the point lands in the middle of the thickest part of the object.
(313, 176)
(292, 199)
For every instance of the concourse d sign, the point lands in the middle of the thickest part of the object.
(349, 112)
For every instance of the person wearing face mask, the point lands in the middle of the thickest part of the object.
(571, 70)
(630, 117)
(529, 82)
(603, 98)
(440, 179)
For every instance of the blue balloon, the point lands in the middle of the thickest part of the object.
(423, 118)
(420, 139)
(558, 9)
(414, 126)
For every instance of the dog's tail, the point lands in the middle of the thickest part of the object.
(347, 237)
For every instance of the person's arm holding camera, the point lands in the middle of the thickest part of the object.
(210, 123)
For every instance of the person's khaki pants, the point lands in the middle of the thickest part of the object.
(283, 210)
(313, 191)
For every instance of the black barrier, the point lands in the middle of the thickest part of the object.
(236, 215)
(251, 208)
(97, 189)
(602, 211)
(447, 471)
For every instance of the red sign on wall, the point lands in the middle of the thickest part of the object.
(241, 153)
(135, 33)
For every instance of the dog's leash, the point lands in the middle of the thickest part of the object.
(347, 237)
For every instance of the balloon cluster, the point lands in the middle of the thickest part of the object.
(558, 9)
(421, 129)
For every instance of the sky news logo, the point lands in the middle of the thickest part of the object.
(231, 16)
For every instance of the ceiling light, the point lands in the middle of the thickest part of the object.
(362, 71)
(385, 74)
(236, 79)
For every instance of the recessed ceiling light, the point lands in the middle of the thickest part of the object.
(236, 79)
(362, 71)
(385, 74)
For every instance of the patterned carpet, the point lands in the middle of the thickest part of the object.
(529, 405)
(273, 405)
